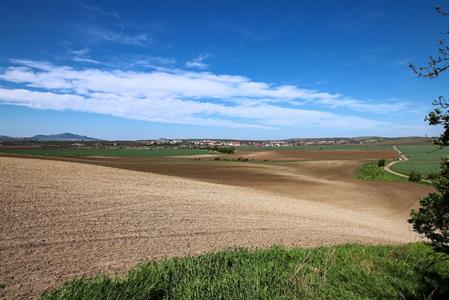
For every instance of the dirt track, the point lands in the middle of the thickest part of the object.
(62, 219)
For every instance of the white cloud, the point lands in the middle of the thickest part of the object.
(362, 106)
(81, 56)
(198, 62)
(86, 60)
(80, 52)
(177, 96)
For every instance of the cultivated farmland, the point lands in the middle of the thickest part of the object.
(423, 158)
(64, 217)
(69, 152)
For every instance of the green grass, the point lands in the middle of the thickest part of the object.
(371, 171)
(424, 158)
(338, 272)
(67, 152)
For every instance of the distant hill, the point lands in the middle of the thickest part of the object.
(63, 137)
(6, 138)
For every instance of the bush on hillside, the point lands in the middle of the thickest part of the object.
(227, 150)
(381, 163)
(432, 176)
(414, 176)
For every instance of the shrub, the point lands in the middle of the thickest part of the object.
(432, 176)
(227, 150)
(381, 163)
(414, 176)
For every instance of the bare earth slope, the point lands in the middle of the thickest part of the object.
(61, 220)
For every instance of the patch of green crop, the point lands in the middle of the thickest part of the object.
(371, 171)
(423, 158)
(337, 272)
(423, 167)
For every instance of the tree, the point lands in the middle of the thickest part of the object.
(432, 218)
(381, 162)
(434, 67)
(414, 176)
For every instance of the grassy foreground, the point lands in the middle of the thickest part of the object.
(337, 272)
(371, 171)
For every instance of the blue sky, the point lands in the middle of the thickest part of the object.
(220, 69)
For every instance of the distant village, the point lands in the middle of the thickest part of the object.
(207, 143)
(70, 140)
(255, 143)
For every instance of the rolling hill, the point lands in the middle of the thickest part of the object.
(63, 137)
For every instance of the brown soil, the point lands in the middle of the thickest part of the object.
(316, 155)
(61, 220)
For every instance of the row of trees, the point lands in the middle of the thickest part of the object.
(222, 149)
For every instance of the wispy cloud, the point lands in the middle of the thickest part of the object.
(80, 52)
(98, 10)
(76, 54)
(97, 33)
(198, 62)
(178, 96)
(80, 55)
(150, 61)
(355, 22)
(129, 61)
(86, 60)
